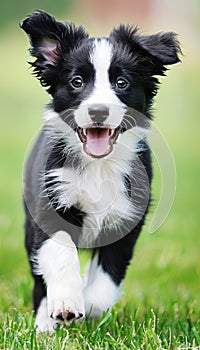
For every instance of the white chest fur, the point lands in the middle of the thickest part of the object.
(98, 189)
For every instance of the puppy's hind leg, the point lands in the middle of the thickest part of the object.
(42, 321)
(105, 274)
(100, 292)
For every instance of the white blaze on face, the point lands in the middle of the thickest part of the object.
(101, 60)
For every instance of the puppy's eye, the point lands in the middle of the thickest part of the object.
(121, 83)
(77, 82)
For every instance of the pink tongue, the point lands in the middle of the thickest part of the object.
(97, 143)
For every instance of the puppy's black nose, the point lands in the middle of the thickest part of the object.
(98, 113)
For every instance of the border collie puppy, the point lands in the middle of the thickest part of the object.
(87, 178)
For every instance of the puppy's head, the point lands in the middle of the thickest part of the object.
(100, 79)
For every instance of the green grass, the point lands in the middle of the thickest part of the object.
(159, 306)
(120, 329)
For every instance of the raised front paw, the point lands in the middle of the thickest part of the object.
(67, 313)
(65, 305)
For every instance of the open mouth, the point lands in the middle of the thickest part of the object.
(98, 141)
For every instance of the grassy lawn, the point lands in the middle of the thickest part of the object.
(159, 306)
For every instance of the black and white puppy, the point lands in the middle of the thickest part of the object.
(87, 178)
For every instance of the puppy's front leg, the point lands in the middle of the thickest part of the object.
(59, 264)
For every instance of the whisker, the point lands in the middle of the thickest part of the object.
(126, 123)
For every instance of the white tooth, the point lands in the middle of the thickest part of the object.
(84, 132)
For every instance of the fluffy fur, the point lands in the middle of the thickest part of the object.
(87, 178)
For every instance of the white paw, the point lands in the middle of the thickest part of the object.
(65, 303)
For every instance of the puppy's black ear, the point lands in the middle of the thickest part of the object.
(163, 46)
(50, 39)
(153, 52)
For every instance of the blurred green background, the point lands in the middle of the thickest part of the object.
(166, 265)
